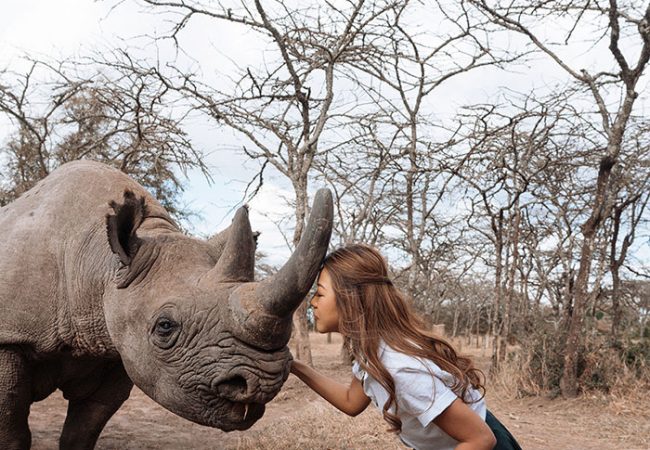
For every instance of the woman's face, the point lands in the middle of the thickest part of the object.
(324, 304)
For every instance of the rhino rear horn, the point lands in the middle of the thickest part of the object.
(281, 294)
(122, 225)
(237, 260)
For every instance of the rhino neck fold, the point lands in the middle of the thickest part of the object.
(87, 267)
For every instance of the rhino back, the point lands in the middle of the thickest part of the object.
(55, 259)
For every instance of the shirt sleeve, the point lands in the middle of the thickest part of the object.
(357, 371)
(420, 391)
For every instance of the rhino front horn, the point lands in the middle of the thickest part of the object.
(282, 293)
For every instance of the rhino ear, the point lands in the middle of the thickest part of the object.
(122, 225)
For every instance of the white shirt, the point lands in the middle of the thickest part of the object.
(420, 396)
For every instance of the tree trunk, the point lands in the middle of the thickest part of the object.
(616, 307)
(616, 261)
(498, 291)
(505, 328)
(410, 223)
(569, 380)
(470, 324)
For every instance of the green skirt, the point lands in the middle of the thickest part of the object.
(505, 440)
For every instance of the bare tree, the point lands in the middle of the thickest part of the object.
(413, 69)
(508, 150)
(631, 193)
(362, 195)
(618, 22)
(401, 183)
(68, 111)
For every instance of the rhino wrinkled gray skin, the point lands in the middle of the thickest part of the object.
(100, 290)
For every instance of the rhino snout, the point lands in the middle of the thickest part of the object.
(251, 386)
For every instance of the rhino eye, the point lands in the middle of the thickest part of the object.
(165, 326)
(165, 332)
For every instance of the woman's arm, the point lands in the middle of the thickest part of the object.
(349, 399)
(463, 424)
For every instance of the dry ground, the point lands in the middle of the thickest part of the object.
(299, 419)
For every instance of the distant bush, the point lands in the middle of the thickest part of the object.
(637, 356)
(536, 368)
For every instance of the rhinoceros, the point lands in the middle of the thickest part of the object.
(100, 289)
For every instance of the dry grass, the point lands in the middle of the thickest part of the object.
(320, 426)
(618, 419)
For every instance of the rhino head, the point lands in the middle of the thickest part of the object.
(194, 330)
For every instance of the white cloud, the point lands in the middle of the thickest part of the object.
(47, 27)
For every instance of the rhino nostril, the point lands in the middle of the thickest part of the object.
(233, 386)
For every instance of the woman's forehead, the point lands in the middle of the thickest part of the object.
(323, 278)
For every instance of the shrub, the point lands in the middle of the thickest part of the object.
(538, 365)
(637, 356)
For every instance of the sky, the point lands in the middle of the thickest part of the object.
(64, 28)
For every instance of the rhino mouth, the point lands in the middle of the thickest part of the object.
(242, 412)
(229, 415)
(245, 409)
(244, 415)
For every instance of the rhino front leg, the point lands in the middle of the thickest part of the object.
(15, 399)
(87, 416)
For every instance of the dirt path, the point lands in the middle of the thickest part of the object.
(298, 419)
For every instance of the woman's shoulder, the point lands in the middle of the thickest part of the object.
(398, 361)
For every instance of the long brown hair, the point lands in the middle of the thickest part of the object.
(372, 309)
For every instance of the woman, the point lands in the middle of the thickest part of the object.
(427, 393)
